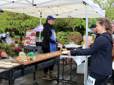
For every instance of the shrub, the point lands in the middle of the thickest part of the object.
(66, 37)
(75, 37)
(8, 48)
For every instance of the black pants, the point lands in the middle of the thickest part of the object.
(100, 79)
(49, 65)
(113, 77)
(47, 69)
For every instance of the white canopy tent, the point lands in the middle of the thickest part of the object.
(58, 8)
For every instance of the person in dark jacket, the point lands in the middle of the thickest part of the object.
(101, 53)
(49, 44)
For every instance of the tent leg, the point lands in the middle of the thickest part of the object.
(86, 60)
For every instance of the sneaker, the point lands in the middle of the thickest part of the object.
(46, 77)
(0, 80)
(52, 75)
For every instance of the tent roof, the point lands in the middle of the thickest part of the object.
(58, 8)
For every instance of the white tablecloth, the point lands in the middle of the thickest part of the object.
(78, 59)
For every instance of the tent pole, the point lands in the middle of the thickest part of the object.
(32, 2)
(40, 24)
(40, 17)
(86, 60)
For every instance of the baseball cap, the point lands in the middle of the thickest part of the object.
(50, 17)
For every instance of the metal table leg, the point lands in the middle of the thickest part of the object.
(11, 80)
(34, 76)
(58, 70)
(63, 71)
(71, 64)
(70, 81)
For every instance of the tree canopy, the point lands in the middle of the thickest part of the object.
(16, 21)
(108, 6)
(21, 22)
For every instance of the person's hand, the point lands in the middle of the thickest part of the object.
(60, 45)
(66, 52)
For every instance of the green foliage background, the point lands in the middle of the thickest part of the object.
(17, 24)
(16, 21)
(66, 37)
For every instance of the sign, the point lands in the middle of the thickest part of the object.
(30, 38)
(90, 81)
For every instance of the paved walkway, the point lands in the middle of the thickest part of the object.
(27, 80)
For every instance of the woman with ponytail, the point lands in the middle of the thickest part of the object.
(100, 68)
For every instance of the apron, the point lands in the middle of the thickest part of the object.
(53, 46)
